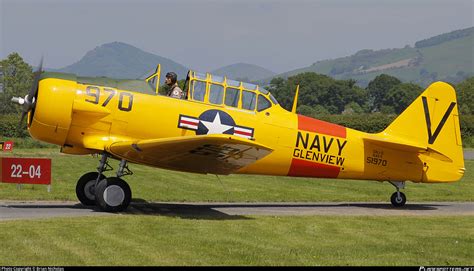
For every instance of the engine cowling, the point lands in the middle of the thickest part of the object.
(51, 118)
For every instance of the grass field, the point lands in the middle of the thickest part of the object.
(312, 240)
(153, 184)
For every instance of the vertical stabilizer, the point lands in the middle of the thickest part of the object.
(432, 121)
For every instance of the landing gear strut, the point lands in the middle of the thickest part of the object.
(113, 194)
(398, 199)
(110, 194)
(85, 187)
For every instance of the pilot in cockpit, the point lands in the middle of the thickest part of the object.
(172, 81)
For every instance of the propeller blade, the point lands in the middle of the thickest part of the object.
(34, 87)
(21, 121)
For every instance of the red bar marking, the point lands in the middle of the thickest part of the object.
(189, 122)
(242, 133)
(302, 168)
(320, 127)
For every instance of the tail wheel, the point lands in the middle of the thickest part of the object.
(85, 188)
(113, 195)
(398, 200)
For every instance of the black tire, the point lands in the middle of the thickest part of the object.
(398, 201)
(113, 195)
(85, 188)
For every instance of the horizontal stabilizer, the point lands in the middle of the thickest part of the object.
(405, 145)
(395, 143)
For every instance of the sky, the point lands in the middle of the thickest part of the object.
(205, 35)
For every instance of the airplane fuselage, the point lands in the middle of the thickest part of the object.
(85, 118)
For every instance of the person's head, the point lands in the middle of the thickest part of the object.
(171, 78)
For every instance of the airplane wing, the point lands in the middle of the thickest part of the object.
(215, 154)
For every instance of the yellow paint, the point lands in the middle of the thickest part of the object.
(295, 100)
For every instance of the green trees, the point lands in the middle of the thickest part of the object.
(387, 94)
(16, 79)
(318, 90)
(465, 93)
(444, 37)
(401, 96)
(378, 89)
(320, 94)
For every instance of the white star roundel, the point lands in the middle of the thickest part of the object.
(216, 126)
(214, 122)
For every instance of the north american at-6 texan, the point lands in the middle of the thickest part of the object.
(230, 127)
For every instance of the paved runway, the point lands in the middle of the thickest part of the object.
(14, 210)
(468, 155)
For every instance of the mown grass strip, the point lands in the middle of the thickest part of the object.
(262, 240)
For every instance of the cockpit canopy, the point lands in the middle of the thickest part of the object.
(221, 91)
(218, 90)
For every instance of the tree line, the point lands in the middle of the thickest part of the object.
(322, 95)
(445, 37)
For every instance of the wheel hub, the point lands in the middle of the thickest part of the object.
(114, 195)
(89, 190)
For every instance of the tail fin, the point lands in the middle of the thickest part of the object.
(431, 124)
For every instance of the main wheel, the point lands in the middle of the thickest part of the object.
(85, 188)
(398, 201)
(113, 195)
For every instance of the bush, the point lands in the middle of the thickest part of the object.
(9, 132)
(467, 125)
(9, 126)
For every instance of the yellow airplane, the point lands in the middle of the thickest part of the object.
(229, 127)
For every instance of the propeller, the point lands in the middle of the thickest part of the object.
(28, 103)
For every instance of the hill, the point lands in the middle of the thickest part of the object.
(121, 60)
(244, 72)
(447, 57)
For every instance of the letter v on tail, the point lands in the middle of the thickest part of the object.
(432, 137)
